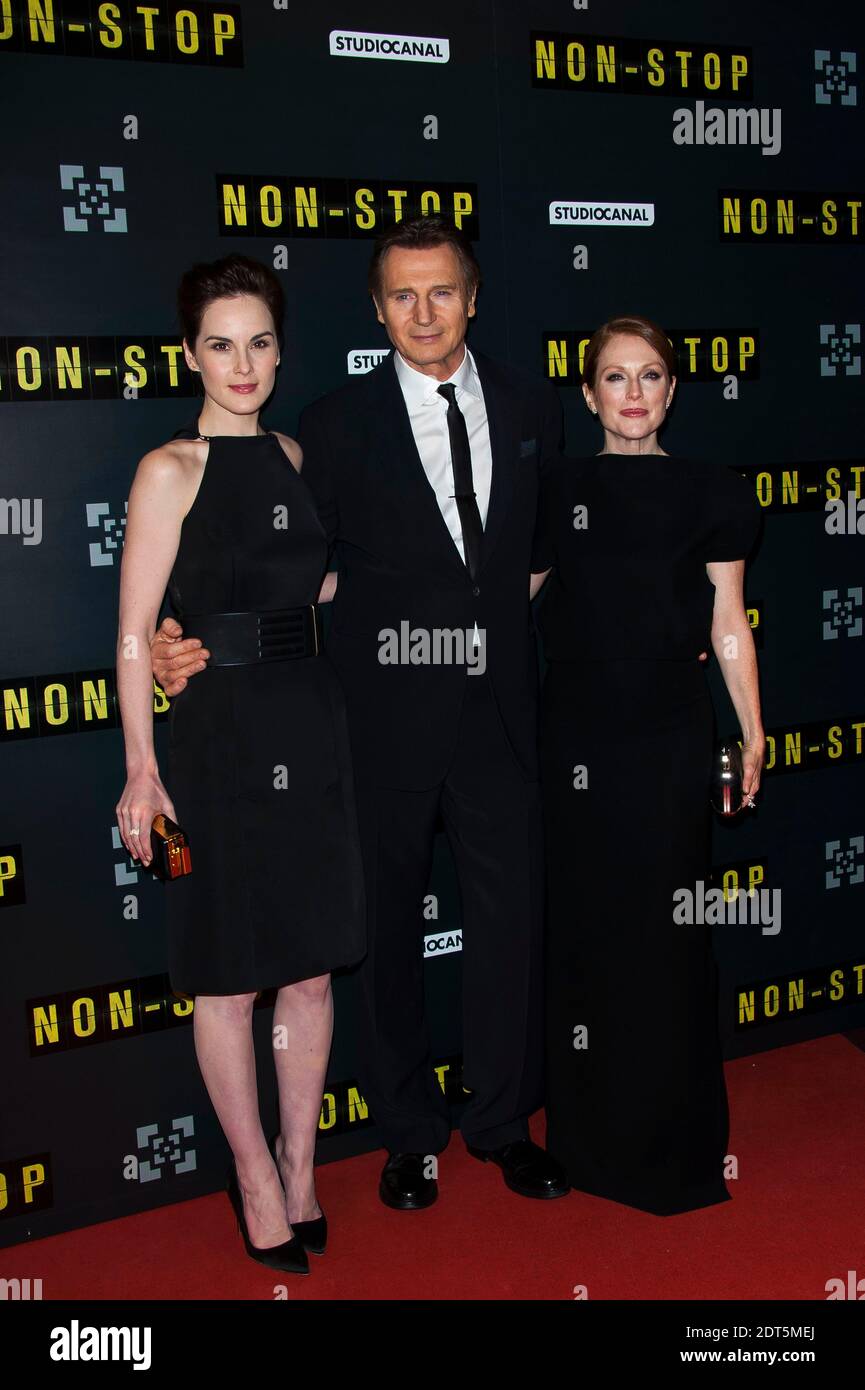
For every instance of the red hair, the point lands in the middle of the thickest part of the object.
(640, 328)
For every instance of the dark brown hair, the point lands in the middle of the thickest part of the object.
(422, 234)
(640, 328)
(230, 276)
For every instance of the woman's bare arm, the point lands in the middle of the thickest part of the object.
(733, 645)
(328, 587)
(536, 582)
(158, 501)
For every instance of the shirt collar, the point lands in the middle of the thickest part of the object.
(419, 389)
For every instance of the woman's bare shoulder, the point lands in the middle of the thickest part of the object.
(174, 467)
(175, 459)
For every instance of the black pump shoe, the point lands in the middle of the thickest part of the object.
(290, 1256)
(311, 1234)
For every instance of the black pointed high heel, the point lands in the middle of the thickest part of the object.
(311, 1234)
(290, 1256)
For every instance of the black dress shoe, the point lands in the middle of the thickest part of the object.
(403, 1184)
(311, 1234)
(528, 1169)
(289, 1256)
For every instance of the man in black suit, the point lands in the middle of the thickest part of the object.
(425, 473)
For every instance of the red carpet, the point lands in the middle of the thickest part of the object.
(795, 1221)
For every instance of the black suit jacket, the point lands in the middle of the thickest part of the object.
(397, 562)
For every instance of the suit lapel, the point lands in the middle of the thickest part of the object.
(396, 445)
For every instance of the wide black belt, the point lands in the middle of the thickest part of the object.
(240, 639)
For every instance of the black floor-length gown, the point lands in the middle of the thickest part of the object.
(259, 767)
(636, 1104)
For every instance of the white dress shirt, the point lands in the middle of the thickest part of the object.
(428, 413)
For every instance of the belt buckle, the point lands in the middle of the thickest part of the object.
(314, 627)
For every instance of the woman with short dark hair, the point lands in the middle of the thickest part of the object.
(258, 759)
(647, 554)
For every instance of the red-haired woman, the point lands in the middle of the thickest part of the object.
(258, 760)
(647, 553)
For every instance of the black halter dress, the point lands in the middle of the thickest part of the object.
(259, 766)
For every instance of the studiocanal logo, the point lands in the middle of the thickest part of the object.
(439, 944)
(564, 214)
(403, 48)
(158, 32)
(362, 360)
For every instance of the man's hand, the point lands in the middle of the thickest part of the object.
(174, 658)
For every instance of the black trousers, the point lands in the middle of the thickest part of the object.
(492, 818)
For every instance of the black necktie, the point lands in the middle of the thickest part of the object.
(464, 492)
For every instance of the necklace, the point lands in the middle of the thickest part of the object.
(208, 438)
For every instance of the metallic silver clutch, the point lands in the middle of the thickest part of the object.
(725, 789)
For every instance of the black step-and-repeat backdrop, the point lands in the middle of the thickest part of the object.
(697, 163)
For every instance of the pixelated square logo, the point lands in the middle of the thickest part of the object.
(845, 614)
(94, 200)
(160, 1153)
(112, 529)
(846, 865)
(841, 349)
(834, 78)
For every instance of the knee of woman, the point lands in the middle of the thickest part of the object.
(312, 991)
(228, 1006)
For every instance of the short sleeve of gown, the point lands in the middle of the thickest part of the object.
(544, 542)
(732, 514)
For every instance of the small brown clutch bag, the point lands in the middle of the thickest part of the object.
(725, 790)
(170, 847)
